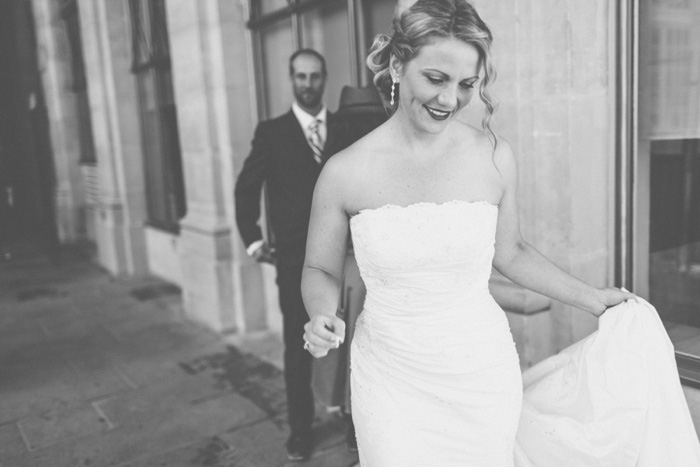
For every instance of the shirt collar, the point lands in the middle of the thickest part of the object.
(305, 119)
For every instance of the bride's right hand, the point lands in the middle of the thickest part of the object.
(322, 334)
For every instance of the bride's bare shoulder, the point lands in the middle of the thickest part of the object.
(480, 141)
(350, 174)
(469, 136)
(357, 160)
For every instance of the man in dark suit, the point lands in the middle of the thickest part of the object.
(287, 156)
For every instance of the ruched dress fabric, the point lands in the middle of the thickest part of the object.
(435, 377)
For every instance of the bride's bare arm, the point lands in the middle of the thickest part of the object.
(523, 264)
(325, 258)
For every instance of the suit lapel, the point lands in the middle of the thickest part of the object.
(330, 135)
(296, 139)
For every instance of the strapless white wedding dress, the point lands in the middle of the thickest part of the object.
(435, 379)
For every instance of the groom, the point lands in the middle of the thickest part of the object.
(287, 156)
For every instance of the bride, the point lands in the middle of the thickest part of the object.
(431, 205)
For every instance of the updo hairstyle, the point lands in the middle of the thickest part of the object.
(419, 25)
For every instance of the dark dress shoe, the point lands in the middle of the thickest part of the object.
(350, 437)
(299, 447)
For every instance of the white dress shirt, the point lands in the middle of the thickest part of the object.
(305, 119)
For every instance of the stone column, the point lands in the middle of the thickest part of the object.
(117, 135)
(210, 50)
(55, 66)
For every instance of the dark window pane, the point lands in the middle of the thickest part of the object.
(669, 89)
(326, 30)
(165, 189)
(140, 40)
(277, 45)
(69, 13)
(379, 14)
(268, 6)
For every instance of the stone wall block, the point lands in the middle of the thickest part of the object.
(590, 176)
(555, 94)
(589, 24)
(551, 45)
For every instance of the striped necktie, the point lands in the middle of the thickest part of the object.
(315, 139)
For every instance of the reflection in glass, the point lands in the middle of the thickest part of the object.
(669, 84)
(326, 30)
(379, 14)
(277, 42)
(268, 6)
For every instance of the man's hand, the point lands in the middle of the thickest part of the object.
(264, 254)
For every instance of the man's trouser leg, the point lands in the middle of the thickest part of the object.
(297, 360)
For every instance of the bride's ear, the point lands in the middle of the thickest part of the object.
(395, 67)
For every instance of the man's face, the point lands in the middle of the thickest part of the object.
(308, 81)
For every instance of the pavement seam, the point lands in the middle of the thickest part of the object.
(43, 327)
(69, 406)
(117, 369)
(328, 448)
(245, 426)
(114, 367)
(193, 443)
(103, 415)
(24, 436)
(217, 395)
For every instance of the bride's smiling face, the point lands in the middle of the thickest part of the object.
(437, 83)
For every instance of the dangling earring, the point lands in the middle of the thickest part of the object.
(393, 87)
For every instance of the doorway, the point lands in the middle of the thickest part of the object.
(27, 224)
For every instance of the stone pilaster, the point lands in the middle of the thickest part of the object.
(121, 209)
(222, 288)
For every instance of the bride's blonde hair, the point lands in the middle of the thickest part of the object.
(420, 24)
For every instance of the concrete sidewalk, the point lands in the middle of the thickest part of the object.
(97, 371)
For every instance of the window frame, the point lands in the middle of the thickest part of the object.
(165, 187)
(632, 208)
(293, 11)
(69, 13)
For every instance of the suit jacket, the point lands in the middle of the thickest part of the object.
(282, 159)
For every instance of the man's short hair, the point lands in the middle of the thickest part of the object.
(311, 52)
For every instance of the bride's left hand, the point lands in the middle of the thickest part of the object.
(609, 297)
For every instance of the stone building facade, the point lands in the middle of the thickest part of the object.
(569, 77)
